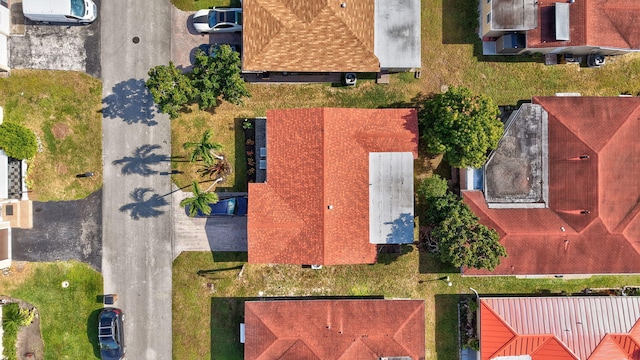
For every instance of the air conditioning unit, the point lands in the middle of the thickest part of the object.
(349, 79)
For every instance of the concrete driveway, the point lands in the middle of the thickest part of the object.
(63, 230)
(54, 47)
(185, 39)
(215, 233)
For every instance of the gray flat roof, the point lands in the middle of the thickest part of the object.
(514, 14)
(391, 198)
(397, 34)
(516, 172)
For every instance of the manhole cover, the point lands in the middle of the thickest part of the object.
(136, 39)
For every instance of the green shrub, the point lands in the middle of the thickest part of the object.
(11, 322)
(432, 187)
(17, 141)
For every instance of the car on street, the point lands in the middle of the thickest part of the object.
(235, 206)
(110, 334)
(218, 20)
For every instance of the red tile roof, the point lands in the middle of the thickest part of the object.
(334, 329)
(606, 240)
(553, 328)
(316, 158)
(604, 23)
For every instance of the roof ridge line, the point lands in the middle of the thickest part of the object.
(407, 319)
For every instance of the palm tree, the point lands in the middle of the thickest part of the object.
(203, 149)
(219, 169)
(199, 201)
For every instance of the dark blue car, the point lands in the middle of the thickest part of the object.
(110, 334)
(227, 207)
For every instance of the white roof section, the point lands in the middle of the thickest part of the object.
(397, 34)
(391, 212)
(46, 6)
(578, 322)
(563, 29)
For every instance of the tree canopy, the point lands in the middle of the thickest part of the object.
(463, 126)
(170, 88)
(218, 75)
(17, 141)
(203, 149)
(212, 77)
(462, 240)
(199, 201)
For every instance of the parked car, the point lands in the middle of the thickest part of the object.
(218, 20)
(110, 334)
(227, 207)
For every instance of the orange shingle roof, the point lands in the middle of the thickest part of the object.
(606, 184)
(308, 36)
(604, 23)
(316, 158)
(334, 329)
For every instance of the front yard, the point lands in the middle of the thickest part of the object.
(63, 109)
(68, 316)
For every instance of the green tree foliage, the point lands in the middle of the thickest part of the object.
(170, 88)
(431, 188)
(13, 318)
(203, 149)
(218, 75)
(18, 141)
(461, 125)
(462, 240)
(199, 201)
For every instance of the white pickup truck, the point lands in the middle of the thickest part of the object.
(60, 11)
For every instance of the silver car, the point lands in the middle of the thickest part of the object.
(218, 20)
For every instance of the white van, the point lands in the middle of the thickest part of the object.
(60, 11)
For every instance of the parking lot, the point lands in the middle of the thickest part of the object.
(54, 47)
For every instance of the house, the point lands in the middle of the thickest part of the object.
(331, 36)
(16, 209)
(559, 328)
(335, 329)
(5, 34)
(577, 27)
(338, 183)
(562, 188)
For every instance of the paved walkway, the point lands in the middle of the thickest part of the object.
(219, 233)
(137, 249)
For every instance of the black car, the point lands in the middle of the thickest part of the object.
(110, 334)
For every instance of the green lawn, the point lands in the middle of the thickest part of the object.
(68, 316)
(212, 302)
(63, 109)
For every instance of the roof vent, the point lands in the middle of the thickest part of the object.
(343, 5)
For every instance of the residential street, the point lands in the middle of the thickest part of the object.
(137, 250)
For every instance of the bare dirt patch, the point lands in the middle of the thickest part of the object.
(61, 169)
(61, 131)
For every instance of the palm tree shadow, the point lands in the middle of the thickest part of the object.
(142, 208)
(131, 102)
(141, 160)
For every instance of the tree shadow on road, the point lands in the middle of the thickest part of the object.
(143, 157)
(142, 208)
(131, 102)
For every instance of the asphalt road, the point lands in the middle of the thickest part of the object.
(62, 230)
(137, 250)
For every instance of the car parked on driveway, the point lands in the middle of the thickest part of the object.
(218, 20)
(227, 207)
(110, 334)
